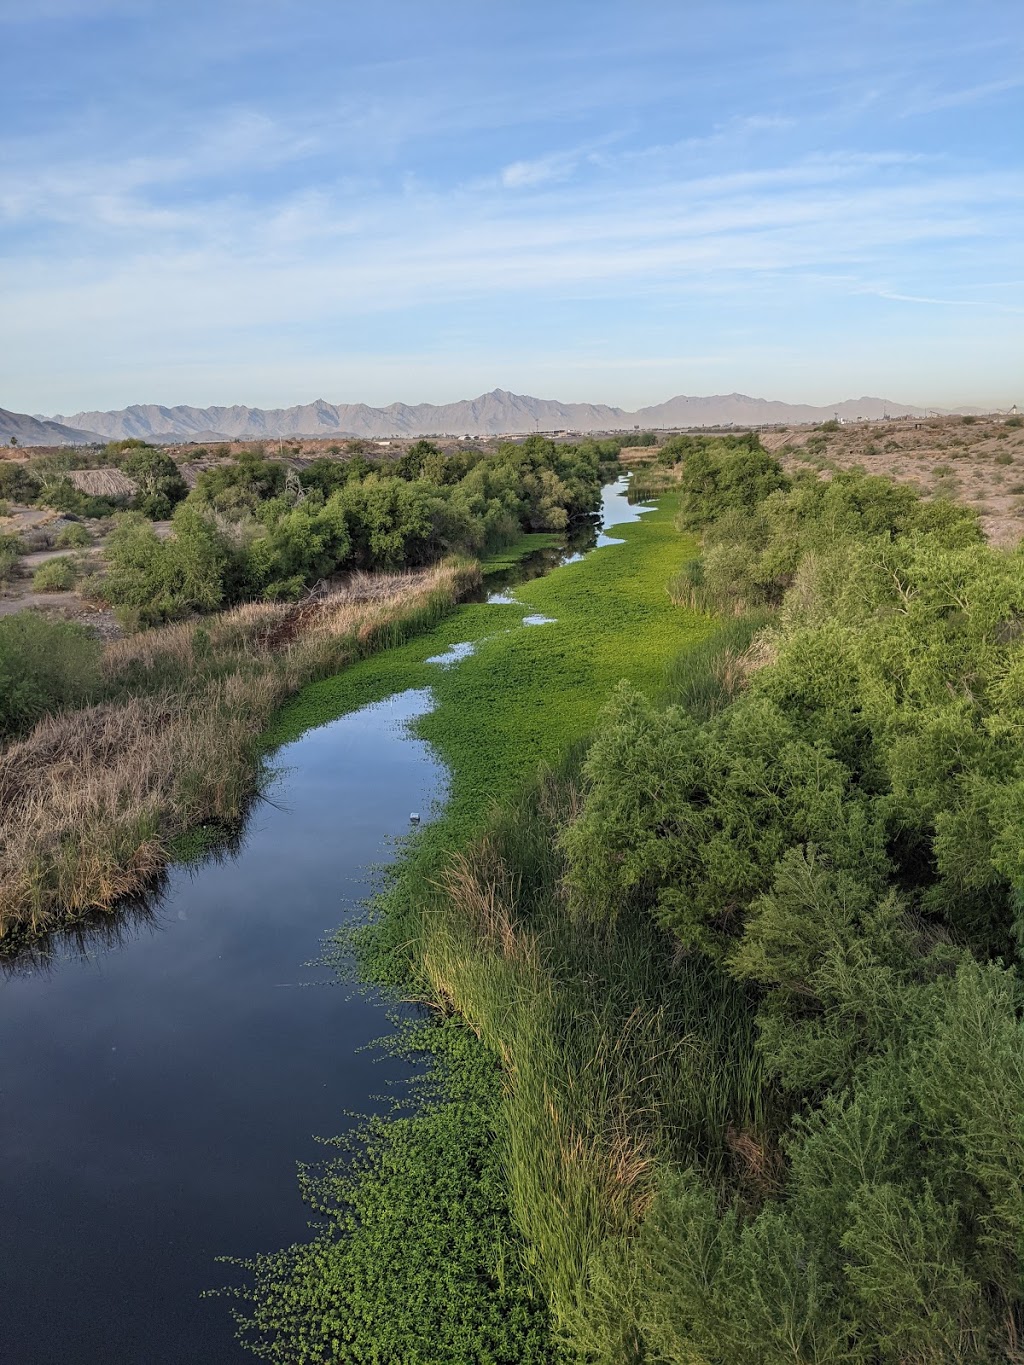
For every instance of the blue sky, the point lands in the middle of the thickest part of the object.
(268, 202)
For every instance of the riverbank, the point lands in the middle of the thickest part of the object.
(474, 924)
(97, 801)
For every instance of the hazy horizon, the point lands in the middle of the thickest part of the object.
(448, 400)
(216, 204)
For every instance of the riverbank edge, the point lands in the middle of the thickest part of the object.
(175, 766)
(416, 946)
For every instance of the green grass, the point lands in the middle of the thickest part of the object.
(543, 1157)
(527, 544)
(529, 694)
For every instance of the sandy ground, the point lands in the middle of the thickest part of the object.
(980, 463)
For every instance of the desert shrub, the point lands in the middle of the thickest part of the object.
(152, 580)
(969, 420)
(161, 486)
(1004, 457)
(11, 550)
(56, 575)
(1014, 421)
(73, 537)
(44, 665)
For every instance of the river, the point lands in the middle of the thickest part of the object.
(160, 1078)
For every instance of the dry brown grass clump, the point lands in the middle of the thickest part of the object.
(92, 800)
(102, 483)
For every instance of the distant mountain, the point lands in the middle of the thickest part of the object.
(738, 409)
(38, 431)
(492, 414)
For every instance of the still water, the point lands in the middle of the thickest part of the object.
(154, 1098)
(157, 1086)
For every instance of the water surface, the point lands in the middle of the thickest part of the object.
(155, 1097)
(158, 1082)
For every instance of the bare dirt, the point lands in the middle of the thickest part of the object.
(978, 462)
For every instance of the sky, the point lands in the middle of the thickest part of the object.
(272, 201)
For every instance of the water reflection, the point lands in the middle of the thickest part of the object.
(162, 1071)
(162, 1068)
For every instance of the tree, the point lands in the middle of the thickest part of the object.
(161, 486)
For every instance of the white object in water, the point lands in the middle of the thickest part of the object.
(414, 818)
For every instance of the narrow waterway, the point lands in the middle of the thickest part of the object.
(159, 1083)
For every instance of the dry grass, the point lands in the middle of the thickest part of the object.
(93, 800)
(102, 483)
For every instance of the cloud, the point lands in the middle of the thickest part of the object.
(989, 305)
(957, 99)
(543, 171)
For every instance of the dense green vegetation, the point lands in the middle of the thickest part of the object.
(257, 529)
(44, 665)
(749, 959)
(527, 693)
(363, 1289)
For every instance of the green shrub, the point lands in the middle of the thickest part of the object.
(73, 537)
(56, 575)
(17, 482)
(63, 496)
(1014, 421)
(1004, 457)
(719, 479)
(161, 486)
(11, 550)
(44, 665)
(152, 580)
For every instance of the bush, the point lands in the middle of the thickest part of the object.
(717, 480)
(161, 486)
(11, 550)
(17, 482)
(73, 537)
(1004, 457)
(56, 575)
(44, 665)
(63, 496)
(152, 580)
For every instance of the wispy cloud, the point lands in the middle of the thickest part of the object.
(713, 178)
(989, 305)
(958, 99)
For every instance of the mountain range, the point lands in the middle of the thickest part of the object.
(492, 414)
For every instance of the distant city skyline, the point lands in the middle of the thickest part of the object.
(266, 204)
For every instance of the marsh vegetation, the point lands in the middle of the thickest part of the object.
(744, 949)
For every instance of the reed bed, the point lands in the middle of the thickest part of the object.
(94, 800)
(620, 1057)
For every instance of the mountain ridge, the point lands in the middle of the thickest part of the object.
(497, 413)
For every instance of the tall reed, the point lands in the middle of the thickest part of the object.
(620, 1057)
